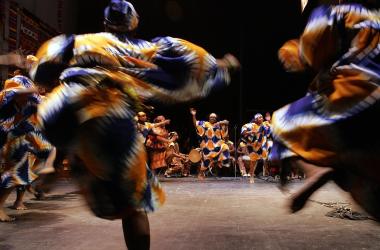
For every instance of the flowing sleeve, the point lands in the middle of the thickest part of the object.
(166, 69)
(185, 71)
(318, 45)
(12, 87)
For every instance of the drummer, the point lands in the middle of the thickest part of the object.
(177, 163)
(243, 159)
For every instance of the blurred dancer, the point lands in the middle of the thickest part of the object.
(24, 150)
(254, 138)
(215, 152)
(105, 78)
(330, 133)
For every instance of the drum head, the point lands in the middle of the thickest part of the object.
(195, 156)
(245, 158)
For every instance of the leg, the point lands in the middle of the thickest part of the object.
(186, 169)
(202, 170)
(19, 203)
(201, 174)
(168, 172)
(285, 171)
(44, 184)
(265, 167)
(4, 193)
(136, 231)
(316, 176)
(252, 168)
(241, 167)
(49, 168)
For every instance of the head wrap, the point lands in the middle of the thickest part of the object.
(257, 116)
(120, 15)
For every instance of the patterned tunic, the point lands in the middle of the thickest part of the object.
(104, 81)
(214, 149)
(334, 123)
(144, 128)
(256, 143)
(22, 146)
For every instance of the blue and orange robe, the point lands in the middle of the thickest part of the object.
(23, 148)
(104, 80)
(144, 128)
(256, 143)
(214, 149)
(334, 124)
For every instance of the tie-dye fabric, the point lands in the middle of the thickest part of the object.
(334, 124)
(23, 147)
(144, 128)
(214, 149)
(104, 81)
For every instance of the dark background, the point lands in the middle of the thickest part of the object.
(251, 30)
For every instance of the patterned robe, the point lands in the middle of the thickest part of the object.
(256, 143)
(104, 81)
(333, 124)
(22, 146)
(214, 149)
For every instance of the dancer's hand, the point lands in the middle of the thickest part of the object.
(229, 61)
(290, 57)
(224, 122)
(193, 111)
(166, 122)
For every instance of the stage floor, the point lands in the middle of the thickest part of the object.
(223, 213)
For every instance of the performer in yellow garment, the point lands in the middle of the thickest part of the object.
(105, 77)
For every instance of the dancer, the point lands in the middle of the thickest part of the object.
(322, 132)
(23, 149)
(254, 139)
(215, 152)
(105, 77)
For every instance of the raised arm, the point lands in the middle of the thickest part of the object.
(159, 124)
(193, 113)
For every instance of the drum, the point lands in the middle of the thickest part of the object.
(195, 155)
(246, 158)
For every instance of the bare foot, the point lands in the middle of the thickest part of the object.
(19, 206)
(251, 180)
(317, 178)
(4, 217)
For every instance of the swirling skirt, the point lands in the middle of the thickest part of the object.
(108, 157)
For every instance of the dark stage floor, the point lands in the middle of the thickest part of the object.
(224, 213)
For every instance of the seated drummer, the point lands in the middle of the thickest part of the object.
(177, 163)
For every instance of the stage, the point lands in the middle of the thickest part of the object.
(218, 213)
